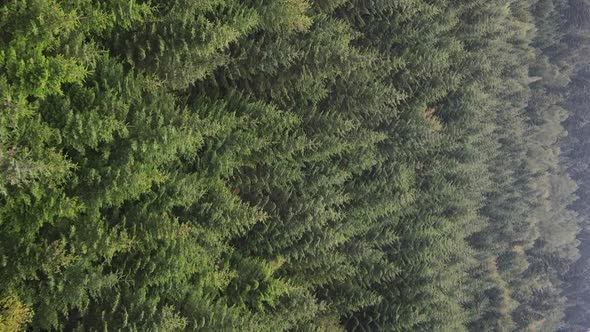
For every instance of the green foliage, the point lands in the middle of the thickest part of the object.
(293, 165)
(14, 315)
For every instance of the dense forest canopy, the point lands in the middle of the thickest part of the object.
(295, 165)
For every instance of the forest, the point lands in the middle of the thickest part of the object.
(295, 165)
